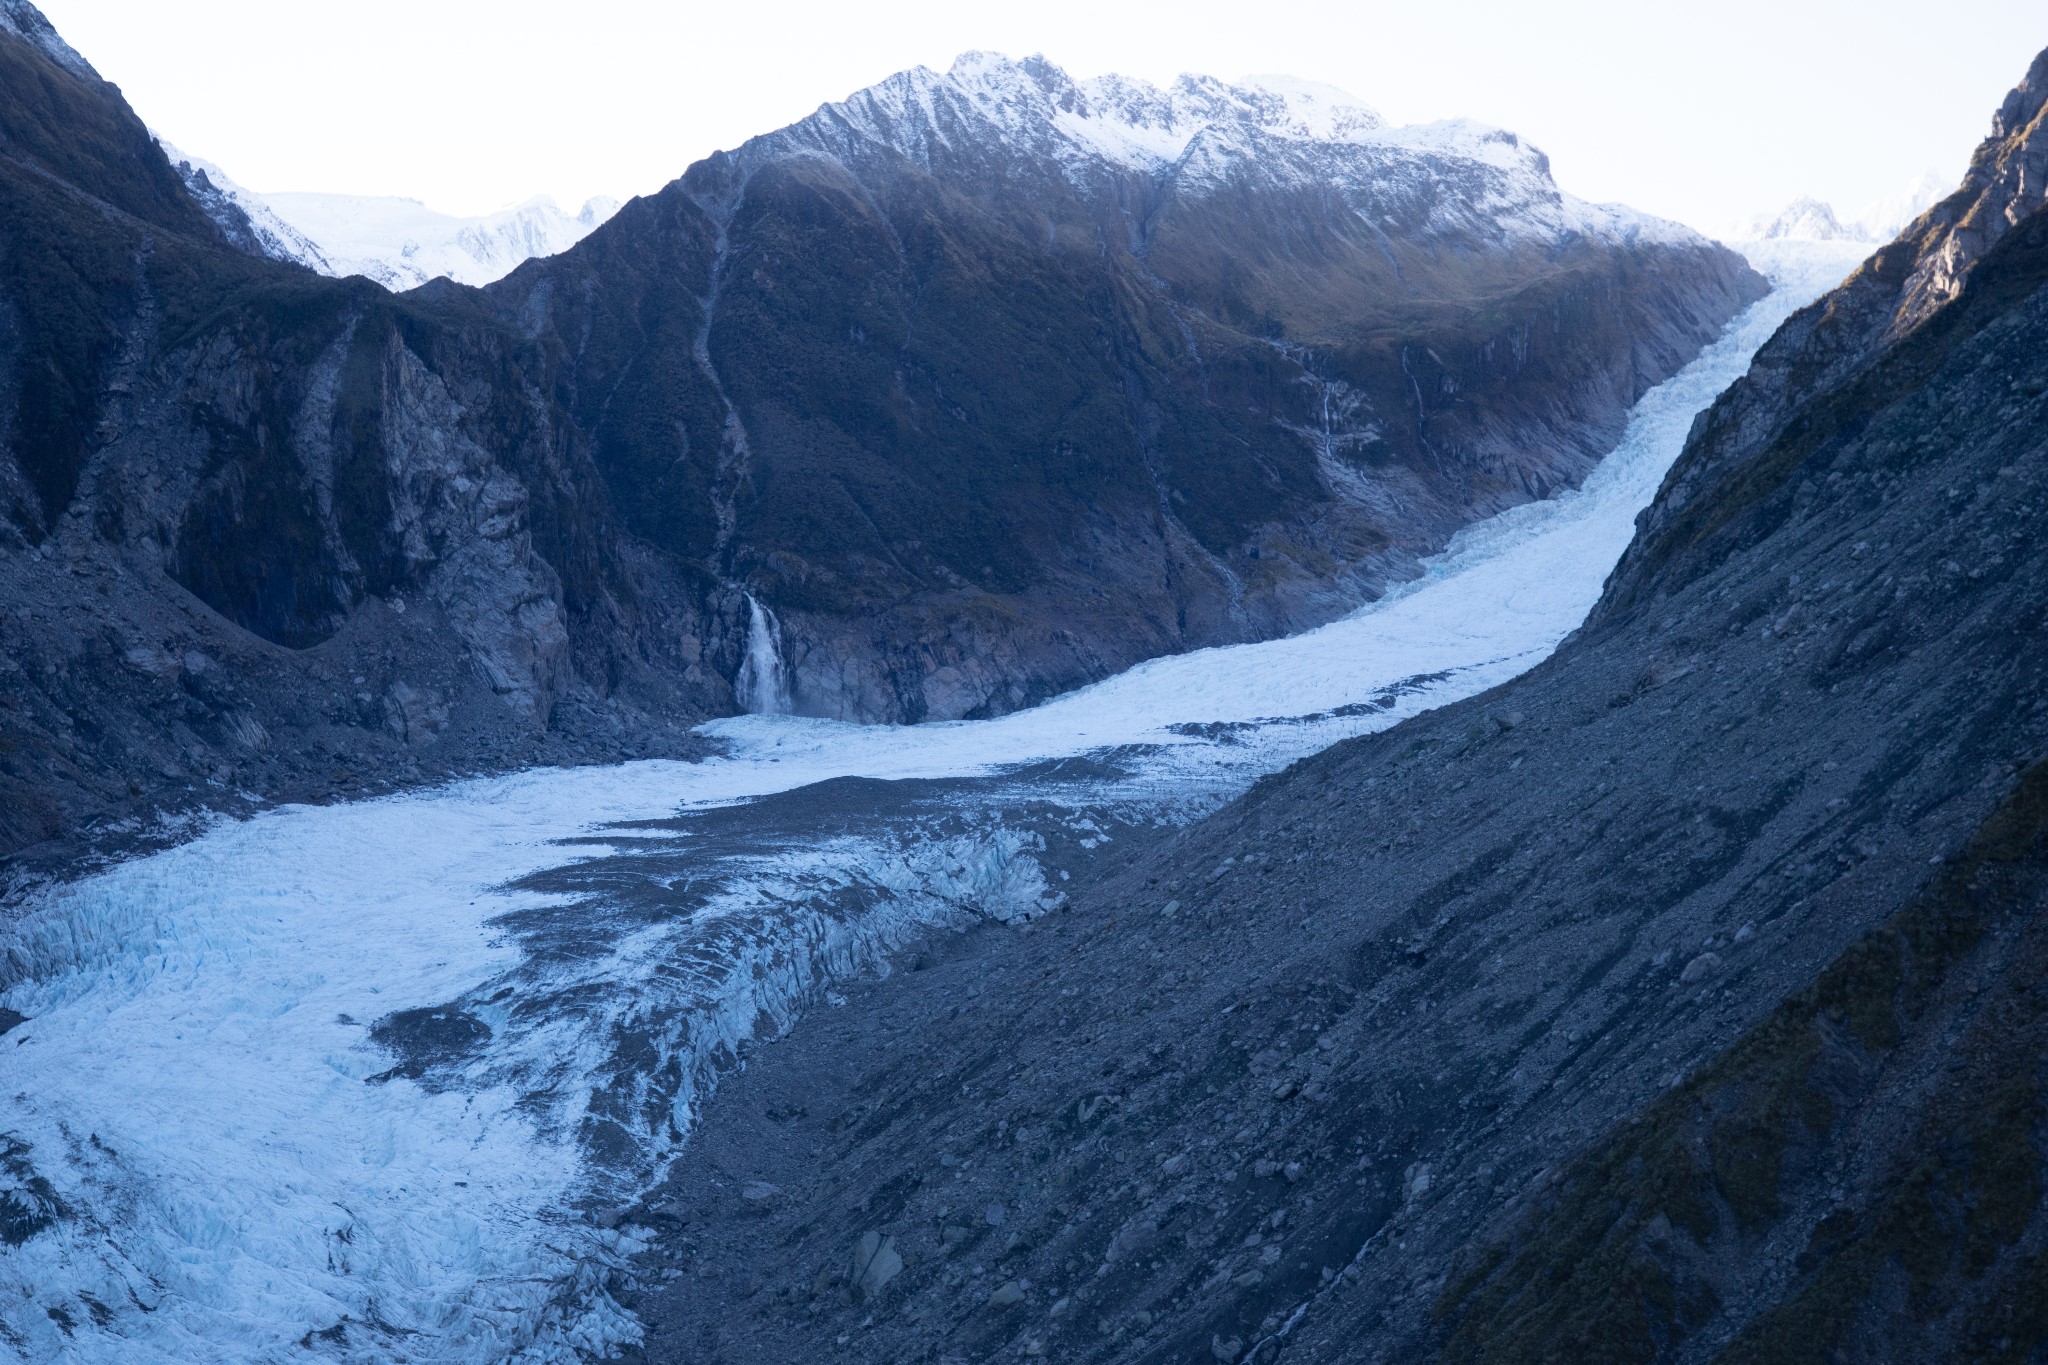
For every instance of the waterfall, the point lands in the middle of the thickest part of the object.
(762, 684)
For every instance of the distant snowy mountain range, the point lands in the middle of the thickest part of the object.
(400, 243)
(1197, 129)
(1811, 220)
(1082, 126)
(1305, 131)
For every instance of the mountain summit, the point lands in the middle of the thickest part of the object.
(1807, 219)
(988, 383)
(988, 110)
(1110, 119)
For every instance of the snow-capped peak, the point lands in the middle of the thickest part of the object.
(1117, 120)
(1321, 113)
(1139, 125)
(27, 23)
(1805, 219)
(991, 118)
(402, 243)
(596, 210)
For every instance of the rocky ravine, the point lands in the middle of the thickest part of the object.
(980, 413)
(1682, 1000)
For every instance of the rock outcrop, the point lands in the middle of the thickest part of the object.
(264, 534)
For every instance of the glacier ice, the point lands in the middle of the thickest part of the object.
(356, 1082)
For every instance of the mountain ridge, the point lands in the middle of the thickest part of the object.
(967, 438)
(1189, 130)
(1407, 229)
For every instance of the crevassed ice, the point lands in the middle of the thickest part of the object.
(206, 1155)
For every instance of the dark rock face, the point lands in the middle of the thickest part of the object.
(1680, 1001)
(979, 417)
(984, 411)
(267, 532)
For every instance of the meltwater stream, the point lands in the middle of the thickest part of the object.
(355, 1082)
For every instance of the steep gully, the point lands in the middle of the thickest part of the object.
(231, 1129)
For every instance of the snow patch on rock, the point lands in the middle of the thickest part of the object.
(27, 23)
(1196, 135)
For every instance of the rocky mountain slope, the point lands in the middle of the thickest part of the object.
(1679, 1001)
(1000, 382)
(268, 534)
(971, 389)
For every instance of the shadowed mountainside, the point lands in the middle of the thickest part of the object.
(988, 410)
(1679, 1001)
(273, 533)
(980, 413)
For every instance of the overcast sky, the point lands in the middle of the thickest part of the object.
(1706, 111)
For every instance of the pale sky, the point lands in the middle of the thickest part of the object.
(1706, 112)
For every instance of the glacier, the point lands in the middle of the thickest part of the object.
(387, 1080)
